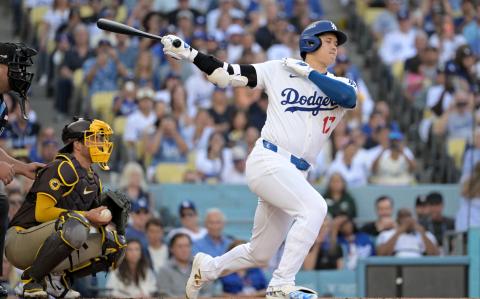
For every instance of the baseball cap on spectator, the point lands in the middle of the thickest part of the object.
(434, 198)
(234, 29)
(238, 153)
(395, 136)
(145, 93)
(403, 15)
(104, 42)
(185, 14)
(199, 35)
(140, 205)
(186, 205)
(237, 14)
(421, 200)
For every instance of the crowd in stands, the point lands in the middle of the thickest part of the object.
(172, 125)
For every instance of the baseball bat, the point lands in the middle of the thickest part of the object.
(117, 27)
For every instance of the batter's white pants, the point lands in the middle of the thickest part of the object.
(289, 209)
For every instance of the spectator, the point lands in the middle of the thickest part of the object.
(144, 73)
(173, 277)
(48, 151)
(440, 224)
(221, 111)
(468, 215)
(471, 31)
(199, 133)
(409, 239)
(126, 51)
(156, 248)
(225, 7)
(457, 122)
(251, 136)
(338, 199)
(166, 144)
(133, 183)
(355, 245)
(384, 221)
(412, 64)
(386, 21)
(398, 45)
(463, 66)
(246, 283)
(125, 102)
(422, 211)
(189, 219)
(235, 173)
(446, 40)
(238, 124)
(351, 166)
(102, 72)
(139, 123)
(393, 166)
(471, 156)
(133, 278)
(211, 161)
(184, 6)
(73, 61)
(323, 255)
(21, 133)
(215, 242)
(178, 108)
(140, 214)
(200, 92)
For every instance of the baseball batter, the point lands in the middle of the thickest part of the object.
(306, 103)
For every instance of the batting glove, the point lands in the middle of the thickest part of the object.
(183, 51)
(298, 66)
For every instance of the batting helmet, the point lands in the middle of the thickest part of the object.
(309, 40)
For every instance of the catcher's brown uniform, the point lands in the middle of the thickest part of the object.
(68, 244)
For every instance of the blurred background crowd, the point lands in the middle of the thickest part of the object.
(417, 67)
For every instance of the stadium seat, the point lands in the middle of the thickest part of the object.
(371, 14)
(37, 14)
(86, 11)
(170, 172)
(397, 70)
(119, 125)
(102, 105)
(456, 148)
(78, 78)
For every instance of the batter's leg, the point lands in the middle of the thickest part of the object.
(290, 192)
(269, 230)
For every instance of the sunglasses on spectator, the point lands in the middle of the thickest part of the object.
(15, 202)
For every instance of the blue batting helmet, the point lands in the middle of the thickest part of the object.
(309, 40)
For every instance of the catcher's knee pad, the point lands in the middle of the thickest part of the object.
(113, 247)
(73, 228)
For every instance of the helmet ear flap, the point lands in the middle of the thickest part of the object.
(309, 44)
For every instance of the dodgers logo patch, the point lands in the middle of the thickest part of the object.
(313, 103)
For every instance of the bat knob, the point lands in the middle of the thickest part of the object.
(177, 43)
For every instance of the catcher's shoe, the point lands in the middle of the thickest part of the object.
(30, 288)
(196, 280)
(290, 292)
(58, 287)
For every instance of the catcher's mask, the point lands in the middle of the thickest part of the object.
(94, 134)
(18, 58)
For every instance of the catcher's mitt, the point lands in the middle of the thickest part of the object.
(119, 204)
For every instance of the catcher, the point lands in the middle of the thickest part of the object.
(59, 232)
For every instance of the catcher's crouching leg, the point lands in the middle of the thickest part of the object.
(71, 232)
(113, 252)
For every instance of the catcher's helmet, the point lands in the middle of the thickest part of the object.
(309, 40)
(95, 134)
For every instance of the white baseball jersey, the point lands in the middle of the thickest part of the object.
(300, 117)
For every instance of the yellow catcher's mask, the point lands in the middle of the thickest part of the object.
(95, 135)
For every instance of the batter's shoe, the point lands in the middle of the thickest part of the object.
(196, 280)
(58, 287)
(290, 292)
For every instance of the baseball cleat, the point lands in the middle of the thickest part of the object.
(290, 292)
(196, 280)
(31, 289)
(58, 287)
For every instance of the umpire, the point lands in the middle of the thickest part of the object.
(14, 61)
(59, 229)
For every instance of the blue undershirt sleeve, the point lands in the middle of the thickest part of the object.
(343, 93)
